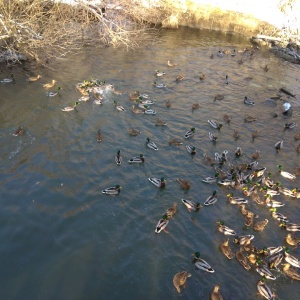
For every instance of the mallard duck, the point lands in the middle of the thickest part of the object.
(191, 149)
(189, 133)
(252, 258)
(255, 155)
(184, 184)
(97, 101)
(220, 53)
(238, 152)
(115, 190)
(170, 64)
(157, 182)
(49, 85)
(99, 136)
(236, 135)
(215, 124)
(290, 226)
(286, 108)
(84, 98)
(226, 250)
(136, 110)
(53, 94)
(133, 132)
(255, 134)
(190, 205)
(260, 225)
(248, 219)
(219, 97)
(168, 103)
(292, 260)
(243, 209)
(278, 216)
(171, 211)
(285, 191)
(256, 198)
(179, 280)
(159, 85)
(211, 179)
(290, 125)
(19, 131)
(9, 80)
(224, 229)
(236, 200)
(227, 118)
(259, 171)
(162, 224)
(286, 174)
(244, 240)
(159, 73)
(226, 79)
(195, 106)
(248, 101)
(34, 78)
(70, 108)
(211, 199)
(212, 137)
(273, 203)
(134, 96)
(296, 193)
(179, 78)
(297, 136)
(242, 259)
(293, 241)
(118, 158)
(215, 294)
(264, 290)
(137, 159)
(202, 76)
(159, 122)
(208, 159)
(278, 145)
(211, 56)
(151, 145)
(201, 264)
(266, 68)
(290, 272)
(149, 112)
(249, 119)
(119, 107)
(175, 142)
(263, 270)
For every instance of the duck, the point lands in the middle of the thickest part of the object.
(296, 193)
(134, 96)
(179, 78)
(97, 101)
(290, 272)
(211, 199)
(236, 200)
(227, 118)
(53, 94)
(278, 146)
(162, 224)
(70, 108)
(119, 107)
(149, 112)
(266, 68)
(290, 125)
(171, 211)
(264, 290)
(168, 103)
(293, 241)
(175, 142)
(179, 280)
(118, 158)
(248, 101)
(220, 53)
(9, 80)
(151, 145)
(215, 124)
(263, 270)
(236, 135)
(191, 205)
(226, 79)
(133, 132)
(159, 122)
(278, 216)
(286, 108)
(159, 85)
(238, 152)
(211, 179)
(208, 160)
(201, 264)
(189, 133)
(195, 106)
(170, 64)
(215, 294)
(260, 225)
(272, 203)
(255, 155)
(255, 134)
(19, 131)
(99, 136)
(212, 137)
(290, 226)
(161, 183)
(226, 250)
(297, 136)
(224, 229)
(244, 240)
(184, 184)
(292, 260)
(50, 85)
(219, 97)
(84, 98)
(202, 76)
(286, 174)
(137, 159)
(136, 110)
(211, 56)
(242, 259)
(249, 119)
(159, 73)
(115, 190)
(34, 78)
(248, 219)
(259, 171)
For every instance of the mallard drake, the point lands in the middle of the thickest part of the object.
(119, 107)
(219, 97)
(118, 158)
(286, 174)
(224, 229)
(137, 159)
(202, 76)
(233, 52)
(264, 290)
(53, 94)
(157, 182)
(273, 203)
(84, 98)
(168, 103)
(242, 259)
(249, 119)
(195, 106)
(179, 280)
(159, 85)
(211, 199)
(171, 211)
(99, 136)
(189, 133)
(255, 134)
(227, 118)
(201, 264)
(133, 132)
(162, 224)
(270, 251)
(255, 155)
(211, 179)
(97, 101)
(151, 145)
(290, 226)
(179, 78)
(278, 216)
(212, 137)
(215, 124)
(290, 125)
(259, 171)
(184, 184)
(293, 241)
(136, 110)
(9, 80)
(159, 122)
(238, 152)
(191, 149)
(175, 142)
(149, 112)
(236, 200)
(190, 205)
(226, 79)
(215, 293)
(50, 85)
(226, 250)
(248, 101)
(278, 146)
(115, 190)
(286, 108)
(260, 225)
(19, 131)
(285, 191)
(159, 73)
(227, 182)
(170, 64)
(296, 192)
(34, 78)
(220, 53)
(244, 240)
(290, 272)
(263, 270)
(70, 108)
(292, 260)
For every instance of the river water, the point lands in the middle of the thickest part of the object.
(61, 238)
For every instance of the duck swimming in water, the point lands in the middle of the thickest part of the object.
(151, 145)
(115, 190)
(190, 205)
(189, 133)
(248, 101)
(162, 224)
(157, 182)
(70, 108)
(19, 131)
(8, 80)
(179, 280)
(202, 264)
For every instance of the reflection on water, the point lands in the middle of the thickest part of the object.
(63, 239)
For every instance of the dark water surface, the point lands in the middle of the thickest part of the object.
(62, 239)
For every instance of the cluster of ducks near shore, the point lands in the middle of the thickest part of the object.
(255, 183)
